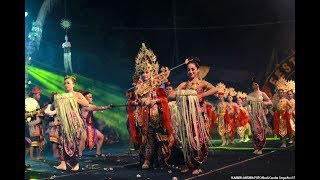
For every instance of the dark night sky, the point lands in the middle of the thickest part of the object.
(107, 35)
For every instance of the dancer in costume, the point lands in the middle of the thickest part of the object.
(31, 111)
(130, 95)
(150, 124)
(281, 115)
(176, 157)
(94, 136)
(35, 127)
(258, 101)
(292, 111)
(232, 114)
(243, 119)
(223, 110)
(54, 126)
(72, 126)
(195, 115)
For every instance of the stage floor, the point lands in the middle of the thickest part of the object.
(228, 162)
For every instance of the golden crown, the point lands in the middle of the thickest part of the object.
(282, 84)
(231, 91)
(221, 89)
(147, 61)
(291, 86)
(241, 95)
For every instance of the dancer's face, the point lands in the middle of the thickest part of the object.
(239, 101)
(281, 93)
(89, 98)
(255, 86)
(221, 97)
(68, 85)
(146, 75)
(193, 70)
(230, 98)
(169, 89)
(290, 95)
(37, 96)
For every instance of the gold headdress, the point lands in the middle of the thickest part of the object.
(222, 89)
(147, 61)
(241, 95)
(291, 86)
(231, 91)
(282, 84)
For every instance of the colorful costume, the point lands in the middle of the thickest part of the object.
(259, 124)
(150, 123)
(232, 114)
(243, 119)
(225, 125)
(196, 118)
(92, 137)
(281, 114)
(292, 111)
(72, 127)
(36, 134)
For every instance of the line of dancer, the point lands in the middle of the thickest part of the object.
(168, 126)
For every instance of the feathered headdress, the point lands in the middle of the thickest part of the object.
(147, 61)
(241, 95)
(291, 86)
(222, 90)
(281, 84)
(231, 91)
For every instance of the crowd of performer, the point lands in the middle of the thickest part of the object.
(167, 125)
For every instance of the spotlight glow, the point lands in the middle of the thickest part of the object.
(25, 14)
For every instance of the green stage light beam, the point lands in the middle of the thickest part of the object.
(103, 94)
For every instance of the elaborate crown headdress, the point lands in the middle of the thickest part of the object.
(291, 86)
(222, 90)
(241, 95)
(147, 61)
(231, 91)
(281, 84)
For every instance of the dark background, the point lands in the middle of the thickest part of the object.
(235, 38)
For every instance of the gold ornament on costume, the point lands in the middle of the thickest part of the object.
(282, 84)
(203, 71)
(231, 91)
(291, 86)
(221, 89)
(241, 95)
(147, 61)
